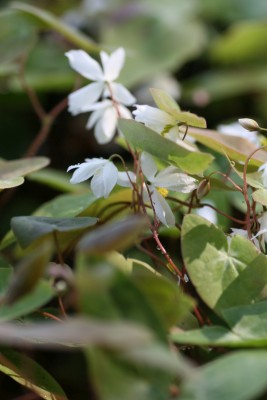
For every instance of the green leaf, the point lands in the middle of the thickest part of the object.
(10, 183)
(30, 302)
(17, 36)
(162, 294)
(260, 196)
(57, 180)
(236, 148)
(66, 206)
(223, 275)
(68, 32)
(229, 377)
(28, 273)
(243, 42)
(113, 236)
(28, 373)
(189, 160)
(253, 176)
(12, 172)
(249, 322)
(164, 101)
(207, 336)
(29, 229)
(155, 21)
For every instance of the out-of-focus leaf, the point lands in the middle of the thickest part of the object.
(189, 160)
(12, 172)
(236, 148)
(229, 377)
(234, 11)
(222, 84)
(28, 373)
(225, 275)
(155, 22)
(10, 183)
(57, 180)
(30, 302)
(260, 196)
(70, 33)
(28, 229)
(17, 35)
(243, 42)
(162, 294)
(114, 236)
(28, 273)
(76, 332)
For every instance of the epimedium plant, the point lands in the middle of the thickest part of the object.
(97, 262)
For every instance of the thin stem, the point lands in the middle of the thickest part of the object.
(51, 316)
(226, 177)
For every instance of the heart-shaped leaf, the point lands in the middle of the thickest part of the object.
(224, 275)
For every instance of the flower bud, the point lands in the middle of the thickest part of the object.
(249, 124)
(203, 188)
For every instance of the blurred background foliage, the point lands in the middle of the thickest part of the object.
(209, 55)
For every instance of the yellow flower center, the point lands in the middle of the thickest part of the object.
(164, 192)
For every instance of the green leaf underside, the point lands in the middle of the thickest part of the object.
(224, 277)
(236, 148)
(28, 373)
(28, 229)
(18, 168)
(193, 162)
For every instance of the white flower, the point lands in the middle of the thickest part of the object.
(105, 117)
(103, 77)
(263, 168)
(169, 178)
(208, 213)
(104, 174)
(161, 122)
(263, 228)
(235, 129)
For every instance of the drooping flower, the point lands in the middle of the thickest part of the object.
(161, 122)
(244, 233)
(103, 77)
(169, 178)
(104, 174)
(235, 129)
(104, 117)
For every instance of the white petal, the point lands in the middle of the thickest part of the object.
(176, 181)
(208, 213)
(106, 127)
(121, 94)
(94, 118)
(123, 179)
(235, 129)
(124, 112)
(81, 62)
(81, 100)
(104, 180)
(86, 170)
(113, 64)
(153, 118)
(148, 166)
(162, 208)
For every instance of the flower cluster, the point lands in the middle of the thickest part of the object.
(114, 96)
